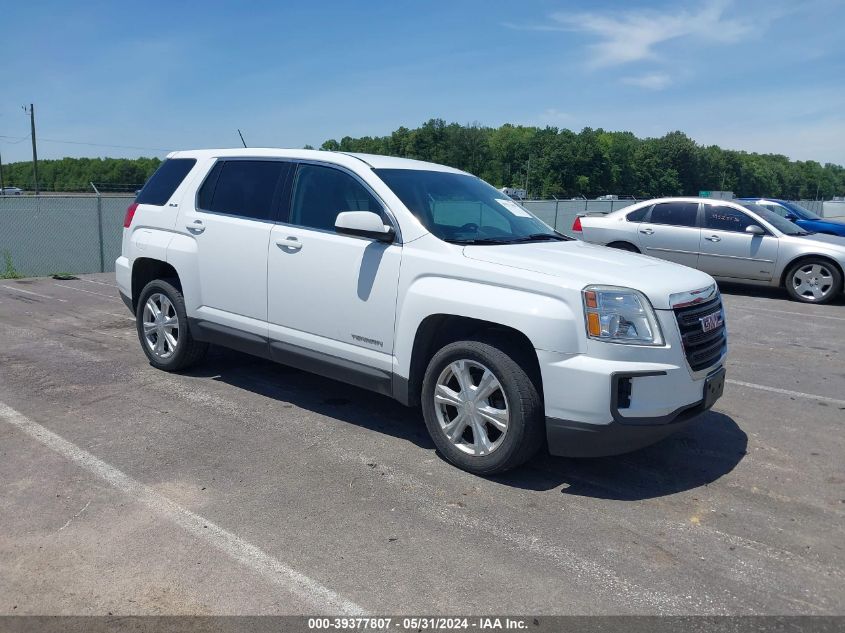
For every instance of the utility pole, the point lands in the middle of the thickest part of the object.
(31, 113)
(1, 175)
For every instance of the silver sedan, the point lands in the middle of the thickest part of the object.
(732, 241)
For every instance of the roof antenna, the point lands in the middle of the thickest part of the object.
(242, 137)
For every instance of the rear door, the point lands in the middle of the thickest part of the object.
(728, 251)
(230, 221)
(670, 231)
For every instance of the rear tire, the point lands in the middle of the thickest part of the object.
(624, 246)
(481, 406)
(162, 325)
(813, 280)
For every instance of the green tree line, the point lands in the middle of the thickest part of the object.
(549, 161)
(76, 174)
(559, 162)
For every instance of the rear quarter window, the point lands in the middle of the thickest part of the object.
(638, 215)
(165, 181)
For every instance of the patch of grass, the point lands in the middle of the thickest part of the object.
(9, 272)
(64, 276)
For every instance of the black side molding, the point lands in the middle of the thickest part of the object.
(332, 367)
(295, 356)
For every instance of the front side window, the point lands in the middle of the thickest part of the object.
(463, 209)
(165, 181)
(675, 213)
(724, 218)
(248, 188)
(781, 224)
(776, 208)
(321, 193)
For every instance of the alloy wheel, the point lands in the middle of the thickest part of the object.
(471, 407)
(161, 326)
(813, 281)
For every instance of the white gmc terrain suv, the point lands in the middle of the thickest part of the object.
(424, 283)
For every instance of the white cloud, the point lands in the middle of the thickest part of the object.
(651, 81)
(634, 35)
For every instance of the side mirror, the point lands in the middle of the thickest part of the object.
(791, 217)
(754, 230)
(364, 224)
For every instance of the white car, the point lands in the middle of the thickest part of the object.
(10, 191)
(733, 241)
(424, 283)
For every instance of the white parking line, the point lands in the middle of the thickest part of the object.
(90, 292)
(786, 392)
(34, 294)
(317, 595)
(801, 314)
(102, 283)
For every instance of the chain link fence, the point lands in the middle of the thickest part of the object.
(45, 235)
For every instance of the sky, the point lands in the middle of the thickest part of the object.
(140, 79)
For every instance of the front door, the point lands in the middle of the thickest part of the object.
(670, 231)
(727, 250)
(332, 297)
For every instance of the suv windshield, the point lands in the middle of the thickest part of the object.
(781, 224)
(463, 209)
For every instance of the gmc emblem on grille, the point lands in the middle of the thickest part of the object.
(711, 321)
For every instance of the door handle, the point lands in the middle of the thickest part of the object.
(647, 231)
(289, 243)
(196, 227)
(714, 238)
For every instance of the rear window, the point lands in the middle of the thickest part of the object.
(248, 188)
(165, 181)
(675, 213)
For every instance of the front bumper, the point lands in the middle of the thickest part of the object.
(597, 407)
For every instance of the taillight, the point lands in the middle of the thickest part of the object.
(576, 226)
(130, 213)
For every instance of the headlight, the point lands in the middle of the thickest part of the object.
(620, 315)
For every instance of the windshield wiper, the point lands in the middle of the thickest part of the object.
(535, 237)
(482, 240)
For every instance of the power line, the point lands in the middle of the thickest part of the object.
(53, 140)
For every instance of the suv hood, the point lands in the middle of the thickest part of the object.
(580, 264)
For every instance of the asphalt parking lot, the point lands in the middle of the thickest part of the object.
(248, 487)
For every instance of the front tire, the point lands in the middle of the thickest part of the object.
(481, 406)
(162, 325)
(813, 281)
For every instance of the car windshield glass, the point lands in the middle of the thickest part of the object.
(781, 224)
(464, 209)
(802, 212)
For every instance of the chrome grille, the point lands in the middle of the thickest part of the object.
(702, 349)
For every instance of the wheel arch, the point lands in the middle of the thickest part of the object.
(145, 270)
(614, 243)
(439, 330)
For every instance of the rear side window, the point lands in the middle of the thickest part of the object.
(165, 181)
(675, 213)
(248, 188)
(721, 218)
(638, 215)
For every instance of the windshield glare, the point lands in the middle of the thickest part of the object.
(464, 209)
(781, 224)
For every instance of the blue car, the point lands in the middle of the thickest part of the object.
(804, 218)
